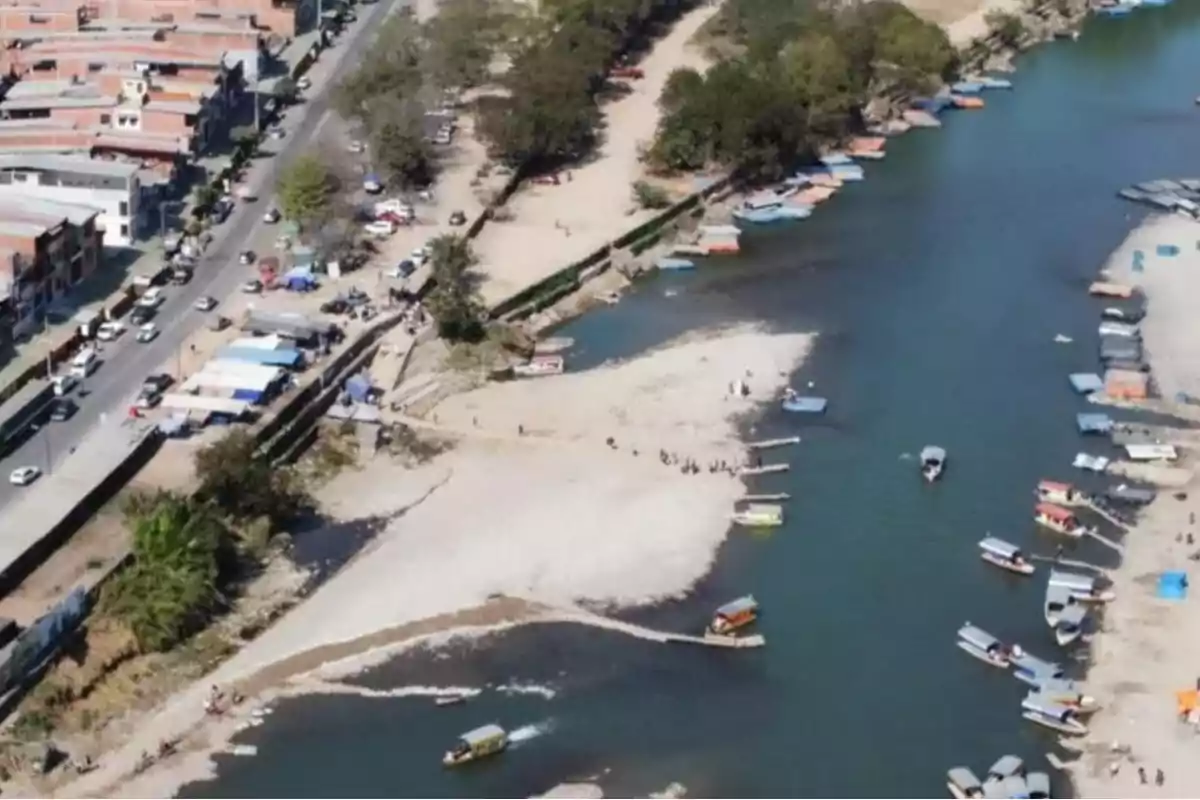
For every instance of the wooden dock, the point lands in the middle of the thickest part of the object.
(763, 498)
(765, 469)
(767, 444)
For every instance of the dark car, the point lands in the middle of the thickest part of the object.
(181, 275)
(160, 382)
(335, 306)
(141, 315)
(62, 409)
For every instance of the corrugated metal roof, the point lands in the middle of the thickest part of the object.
(25, 205)
(26, 229)
(173, 106)
(78, 164)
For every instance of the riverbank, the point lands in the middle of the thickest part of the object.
(1148, 650)
(551, 516)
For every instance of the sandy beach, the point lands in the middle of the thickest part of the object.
(553, 518)
(1147, 651)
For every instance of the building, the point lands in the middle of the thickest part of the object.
(45, 249)
(284, 18)
(111, 187)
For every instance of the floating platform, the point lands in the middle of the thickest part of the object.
(767, 444)
(765, 469)
(763, 498)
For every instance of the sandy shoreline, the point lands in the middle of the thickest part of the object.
(1148, 650)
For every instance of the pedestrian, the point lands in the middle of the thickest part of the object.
(520, 430)
(1142, 775)
(1058, 552)
(1159, 778)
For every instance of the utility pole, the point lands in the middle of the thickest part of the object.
(254, 97)
(46, 438)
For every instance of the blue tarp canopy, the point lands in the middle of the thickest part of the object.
(1093, 423)
(358, 387)
(267, 358)
(1086, 382)
(1173, 585)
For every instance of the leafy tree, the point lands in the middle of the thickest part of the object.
(683, 84)
(918, 53)
(391, 67)
(308, 191)
(453, 301)
(241, 484)
(647, 195)
(171, 586)
(818, 74)
(398, 144)
(204, 197)
(244, 135)
(462, 40)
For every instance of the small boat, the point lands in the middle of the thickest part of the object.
(734, 615)
(1037, 786)
(1063, 494)
(1069, 627)
(555, 344)
(988, 82)
(1059, 520)
(797, 404)
(539, 366)
(485, 741)
(450, 700)
(1053, 716)
(977, 642)
(1113, 328)
(1057, 600)
(1062, 338)
(966, 87)
(1031, 670)
(1091, 463)
(759, 515)
(1005, 555)
(1082, 588)
(1067, 693)
(675, 264)
(933, 462)
(963, 784)
(1005, 767)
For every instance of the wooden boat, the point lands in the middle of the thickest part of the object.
(734, 615)
(555, 344)
(1062, 494)
(539, 366)
(963, 784)
(1069, 626)
(759, 515)
(450, 700)
(1059, 520)
(1053, 716)
(980, 644)
(1037, 786)
(1082, 588)
(933, 462)
(484, 741)
(1031, 670)
(1067, 693)
(1006, 556)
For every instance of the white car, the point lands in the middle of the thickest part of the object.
(109, 331)
(147, 332)
(23, 476)
(271, 216)
(419, 255)
(304, 82)
(380, 227)
(252, 287)
(63, 384)
(356, 147)
(205, 303)
(153, 298)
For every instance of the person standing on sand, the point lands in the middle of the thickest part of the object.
(1142, 775)
(1159, 778)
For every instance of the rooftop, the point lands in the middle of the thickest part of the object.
(90, 166)
(96, 100)
(26, 207)
(28, 230)
(173, 106)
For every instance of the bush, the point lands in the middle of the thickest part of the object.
(647, 195)
(454, 301)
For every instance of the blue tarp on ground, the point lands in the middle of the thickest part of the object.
(1167, 250)
(1086, 382)
(358, 387)
(1173, 585)
(1093, 423)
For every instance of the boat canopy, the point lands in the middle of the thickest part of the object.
(1036, 667)
(977, 637)
(1151, 452)
(765, 509)
(1006, 766)
(1130, 494)
(482, 735)
(1060, 687)
(739, 606)
(1055, 487)
(1093, 423)
(1086, 382)
(1072, 616)
(1072, 581)
(1038, 785)
(1040, 705)
(1001, 548)
(806, 405)
(1013, 787)
(964, 779)
(932, 453)
(1055, 513)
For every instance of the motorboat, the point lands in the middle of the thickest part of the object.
(1005, 778)
(976, 642)
(933, 462)
(759, 515)
(1031, 670)
(1051, 715)
(803, 405)
(554, 344)
(484, 741)
(1067, 693)
(1062, 494)
(1037, 786)
(1005, 767)
(734, 615)
(1060, 520)
(450, 700)
(1082, 588)
(539, 366)
(1069, 626)
(1005, 555)
(963, 784)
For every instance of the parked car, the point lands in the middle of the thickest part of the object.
(63, 384)
(205, 303)
(181, 275)
(276, 133)
(304, 82)
(252, 287)
(141, 315)
(147, 333)
(356, 146)
(85, 362)
(153, 297)
(247, 257)
(271, 216)
(62, 409)
(380, 227)
(109, 331)
(458, 218)
(23, 476)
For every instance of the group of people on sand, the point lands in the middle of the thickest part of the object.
(217, 703)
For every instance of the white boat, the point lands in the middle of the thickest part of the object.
(1090, 462)
(759, 515)
(933, 462)
(963, 784)
(1031, 670)
(1037, 786)
(1053, 716)
(1083, 588)
(1123, 329)
(1061, 494)
(1069, 626)
(1057, 600)
(1005, 555)
(539, 366)
(1067, 693)
(980, 644)
(1005, 767)
(479, 743)
(555, 344)
(1060, 520)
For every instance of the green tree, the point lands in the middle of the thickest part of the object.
(391, 67)
(818, 75)
(171, 586)
(245, 486)
(308, 191)
(398, 145)
(681, 86)
(461, 41)
(916, 55)
(454, 301)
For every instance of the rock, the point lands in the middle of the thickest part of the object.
(588, 791)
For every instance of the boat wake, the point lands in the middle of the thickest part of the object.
(527, 732)
(527, 688)
(334, 687)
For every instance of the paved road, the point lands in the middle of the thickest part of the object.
(112, 388)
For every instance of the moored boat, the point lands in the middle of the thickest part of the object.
(552, 345)
(1067, 693)
(1058, 599)
(1058, 493)
(539, 366)
(963, 784)
(1053, 716)
(484, 741)
(759, 515)
(1083, 588)
(933, 462)
(1069, 626)
(803, 405)
(1037, 786)
(1059, 520)
(1031, 670)
(734, 615)
(1005, 767)
(980, 644)
(1005, 555)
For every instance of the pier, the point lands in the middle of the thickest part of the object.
(767, 444)
(765, 469)
(763, 498)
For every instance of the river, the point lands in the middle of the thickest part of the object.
(938, 286)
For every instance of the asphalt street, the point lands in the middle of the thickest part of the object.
(125, 362)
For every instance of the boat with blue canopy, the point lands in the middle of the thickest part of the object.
(1053, 716)
(1032, 670)
(966, 87)
(978, 643)
(1005, 555)
(804, 405)
(675, 264)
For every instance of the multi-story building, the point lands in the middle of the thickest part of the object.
(111, 187)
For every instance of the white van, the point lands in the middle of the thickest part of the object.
(85, 362)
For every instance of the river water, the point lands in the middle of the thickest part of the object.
(938, 286)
